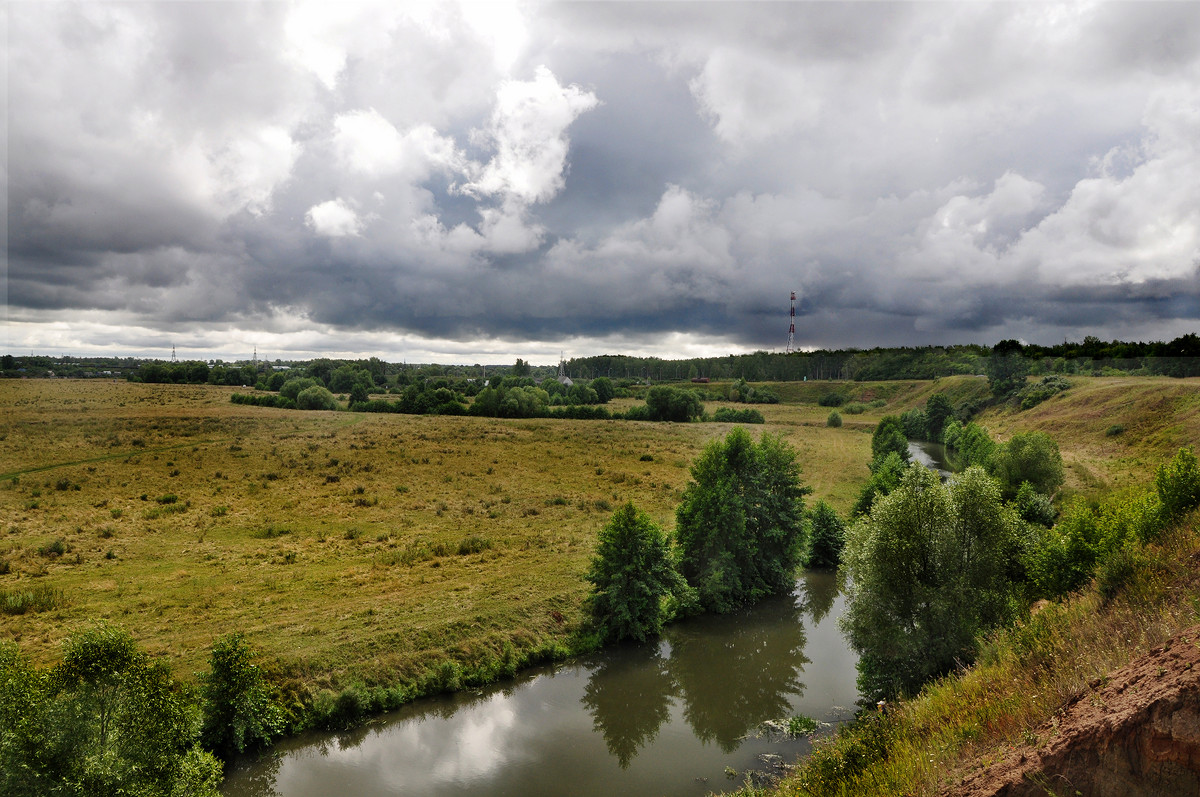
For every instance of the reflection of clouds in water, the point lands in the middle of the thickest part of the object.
(479, 744)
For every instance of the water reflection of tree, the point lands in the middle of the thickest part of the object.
(629, 698)
(257, 779)
(736, 671)
(818, 591)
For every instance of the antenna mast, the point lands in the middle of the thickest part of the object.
(791, 344)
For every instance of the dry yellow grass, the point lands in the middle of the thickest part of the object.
(349, 547)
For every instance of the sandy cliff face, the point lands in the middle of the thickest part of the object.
(1134, 733)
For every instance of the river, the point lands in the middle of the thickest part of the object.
(933, 456)
(666, 718)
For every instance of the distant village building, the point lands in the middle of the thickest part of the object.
(562, 373)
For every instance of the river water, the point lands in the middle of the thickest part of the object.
(665, 718)
(933, 456)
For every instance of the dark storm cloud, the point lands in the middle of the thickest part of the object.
(637, 175)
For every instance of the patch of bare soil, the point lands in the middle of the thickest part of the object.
(1134, 733)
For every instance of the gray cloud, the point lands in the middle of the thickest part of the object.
(645, 176)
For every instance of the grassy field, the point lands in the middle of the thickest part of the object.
(349, 547)
(371, 548)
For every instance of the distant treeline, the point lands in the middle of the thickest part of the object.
(1178, 357)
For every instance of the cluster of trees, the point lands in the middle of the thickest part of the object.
(109, 720)
(740, 533)
(931, 565)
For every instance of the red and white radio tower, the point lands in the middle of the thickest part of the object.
(791, 347)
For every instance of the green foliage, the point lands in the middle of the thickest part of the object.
(889, 436)
(952, 433)
(292, 387)
(1033, 506)
(1064, 557)
(238, 711)
(938, 410)
(1032, 395)
(316, 398)
(666, 403)
(632, 577)
(827, 537)
(605, 389)
(730, 415)
(915, 424)
(975, 446)
(831, 399)
(1007, 369)
(927, 571)
(886, 471)
(834, 420)
(1114, 430)
(740, 525)
(107, 721)
(1028, 457)
(1178, 483)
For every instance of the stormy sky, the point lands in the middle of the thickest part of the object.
(473, 183)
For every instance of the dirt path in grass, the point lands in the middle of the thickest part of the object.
(1136, 732)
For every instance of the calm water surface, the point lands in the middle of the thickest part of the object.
(657, 719)
(933, 456)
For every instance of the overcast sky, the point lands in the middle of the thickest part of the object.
(475, 183)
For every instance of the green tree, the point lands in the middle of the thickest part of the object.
(975, 446)
(938, 410)
(1031, 457)
(926, 571)
(106, 721)
(238, 711)
(666, 403)
(889, 436)
(605, 390)
(1007, 368)
(315, 398)
(520, 368)
(886, 471)
(292, 387)
(740, 525)
(827, 535)
(632, 577)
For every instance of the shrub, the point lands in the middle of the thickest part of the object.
(1028, 457)
(1033, 506)
(238, 711)
(889, 437)
(292, 388)
(854, 408)
(1114, 430)
(730, 415)
(834, 420)
(316, 398)
(831, 400)
(1178, 483)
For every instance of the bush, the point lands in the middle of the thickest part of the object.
(854, 408)
(666, 403)
(1114, 430)
(834, 420)
(831, 400)
(291, 388)
(1029, 457)
(316, 398)
(238, 711)
(632, 577)
(1033, 506)
(729, 415)
(1178, 483)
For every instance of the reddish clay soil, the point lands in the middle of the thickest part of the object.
(1134, 733)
